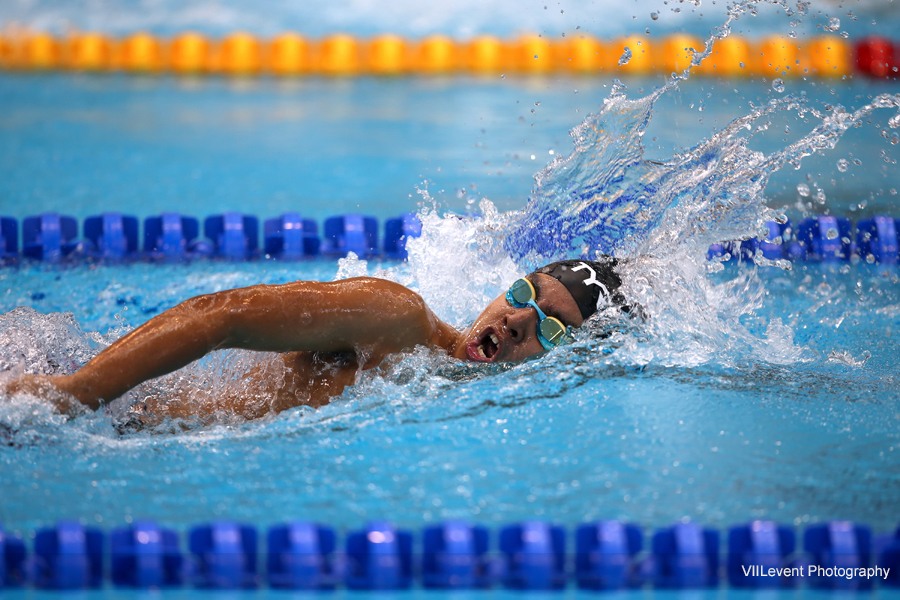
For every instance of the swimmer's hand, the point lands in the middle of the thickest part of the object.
(47, 388)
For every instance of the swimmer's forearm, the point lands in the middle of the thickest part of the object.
(160, 346)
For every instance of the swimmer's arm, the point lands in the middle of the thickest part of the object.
(371, 317)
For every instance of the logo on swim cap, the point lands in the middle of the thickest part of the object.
(592, 280)
(589, 282)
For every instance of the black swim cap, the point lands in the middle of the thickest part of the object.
(593, 284)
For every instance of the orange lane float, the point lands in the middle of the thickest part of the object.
(678, 52)
(531, 54)
(338, 55)
(777, 56)
(436, 55)
(140, 53)
(828, 56)
(484, 55)
(239, 54)
(729, 58)
(289, 54)
(641, 61)
(88, 52)
(189, 54)
(584, 54)
(386, 55)
(7, 53)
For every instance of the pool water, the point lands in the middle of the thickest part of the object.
(773, 396)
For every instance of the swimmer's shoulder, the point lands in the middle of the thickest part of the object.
(397, 306)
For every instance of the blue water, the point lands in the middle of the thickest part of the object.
(751, 393)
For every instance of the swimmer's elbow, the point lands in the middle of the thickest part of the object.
(210, 319)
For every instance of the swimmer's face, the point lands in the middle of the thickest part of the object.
(505, 333)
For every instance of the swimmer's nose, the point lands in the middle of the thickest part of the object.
(519, 322)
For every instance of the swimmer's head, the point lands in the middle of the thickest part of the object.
(569, 290)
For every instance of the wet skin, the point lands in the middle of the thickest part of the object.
(325, 334)
(509, 334)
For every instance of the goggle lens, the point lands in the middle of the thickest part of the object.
(522, 292)
(553, 330)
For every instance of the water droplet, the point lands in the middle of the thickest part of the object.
(832, 233)
(803, 189)
(562, 12)
(741, 64)
(503, 77)
(778, 85)
(845, 35)
(833, 24)
(626, 56)
(537, 103)
(654, 16)
(895, 138)
(842, 165)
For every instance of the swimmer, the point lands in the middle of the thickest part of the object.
(325, 334)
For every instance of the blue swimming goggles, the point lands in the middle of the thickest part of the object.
(551, 332)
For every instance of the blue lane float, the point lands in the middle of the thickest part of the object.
(889, 558)
(826, 238)
(454, 556)
(145, 556)
(606, 556)
(111, 236)
(49, 236)
(534, 556)
(876, 239)
(301, 557)
(379, 558)
(171, 237)
(755, 548)
(12, 560)
(350, 233)
(838, 545)
(9, 239)
(291, 237)
(685, 557)
(225, 555)
(397, 232)
(68, 557)
(234, 236)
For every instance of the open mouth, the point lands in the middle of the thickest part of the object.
(485, 348)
